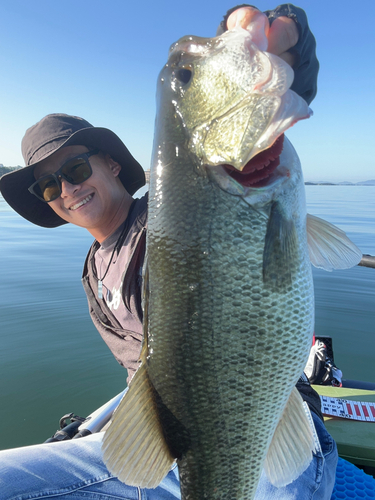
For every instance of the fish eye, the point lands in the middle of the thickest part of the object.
(183, 75)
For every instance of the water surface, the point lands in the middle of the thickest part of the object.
(53, 361)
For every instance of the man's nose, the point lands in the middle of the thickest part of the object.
(68, 189)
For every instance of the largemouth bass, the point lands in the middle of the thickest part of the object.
(229, 304)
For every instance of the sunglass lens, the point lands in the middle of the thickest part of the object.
(47, 188)
(76, 171)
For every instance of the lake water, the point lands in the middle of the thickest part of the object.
(53, 361)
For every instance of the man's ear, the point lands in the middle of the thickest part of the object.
(113, 165)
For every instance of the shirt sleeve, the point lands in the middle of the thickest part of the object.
(306, 66)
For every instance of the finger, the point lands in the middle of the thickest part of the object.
(282, 36)
(252, 20)
(243, 17)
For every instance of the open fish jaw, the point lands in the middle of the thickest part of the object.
(240, 113)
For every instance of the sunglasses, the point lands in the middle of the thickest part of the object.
(75, 171)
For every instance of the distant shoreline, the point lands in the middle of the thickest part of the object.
(362, 183)
(5, 170)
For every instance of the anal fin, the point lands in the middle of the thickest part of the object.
(291, 448)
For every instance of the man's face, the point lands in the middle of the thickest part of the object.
(92, 204)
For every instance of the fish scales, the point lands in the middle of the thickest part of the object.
(221, 344)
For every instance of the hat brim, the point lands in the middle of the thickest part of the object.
(14, 185)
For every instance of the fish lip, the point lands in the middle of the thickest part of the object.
(258, 171)
(70, 207)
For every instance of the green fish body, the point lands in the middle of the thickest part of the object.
(229, 303)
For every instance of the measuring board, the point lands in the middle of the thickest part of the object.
(344, 408)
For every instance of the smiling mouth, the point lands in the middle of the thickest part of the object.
(258, 170)
(82, 202)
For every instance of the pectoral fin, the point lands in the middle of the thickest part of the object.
(280, 253)
(291, 448)
(329, 247)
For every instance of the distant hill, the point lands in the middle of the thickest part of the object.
(366, 183)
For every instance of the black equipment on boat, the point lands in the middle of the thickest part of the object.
(367, 261)
(66, 431)
(80, 427)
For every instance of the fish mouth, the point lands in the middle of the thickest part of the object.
(258, 170)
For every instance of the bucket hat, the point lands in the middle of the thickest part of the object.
(45, 138)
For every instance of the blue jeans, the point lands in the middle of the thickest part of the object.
(73, 470)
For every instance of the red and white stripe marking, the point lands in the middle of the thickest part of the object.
(343, 408)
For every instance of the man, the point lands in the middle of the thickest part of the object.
(85, 175)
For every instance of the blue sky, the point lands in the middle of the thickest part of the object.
(100, 60)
